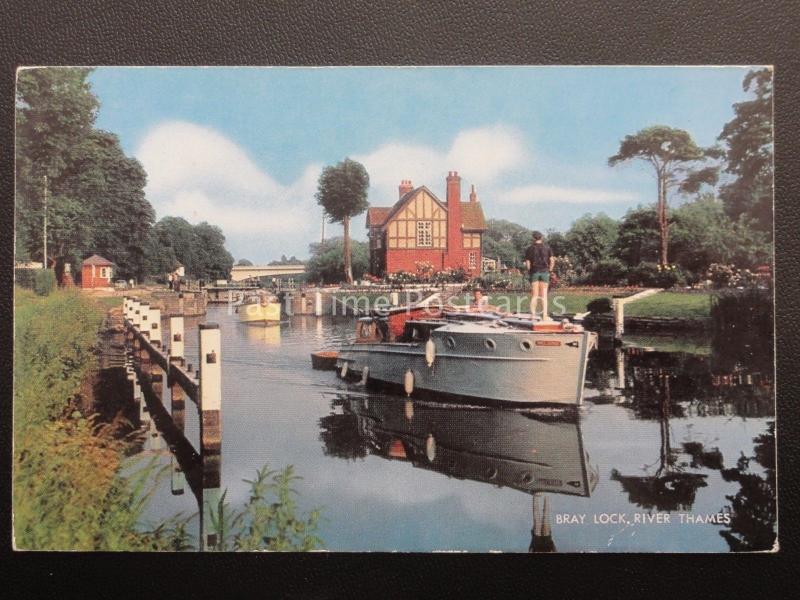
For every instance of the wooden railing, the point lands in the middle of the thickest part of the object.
(149, 359)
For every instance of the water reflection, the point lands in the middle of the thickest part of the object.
(269, 335)
(532, 452)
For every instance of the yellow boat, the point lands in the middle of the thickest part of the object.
(261, 308)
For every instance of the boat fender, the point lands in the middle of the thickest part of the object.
(408, 382)
(430, 352)
(343, 372)
(364, 375)
(430, 447)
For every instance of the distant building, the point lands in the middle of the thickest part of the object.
(420, 228)
(96, 272)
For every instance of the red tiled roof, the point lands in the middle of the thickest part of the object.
(472, 218)
(97, 260)
(376, 215)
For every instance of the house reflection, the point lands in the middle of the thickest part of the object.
(534, 453)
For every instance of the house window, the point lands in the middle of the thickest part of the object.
(424, 234)
(473, 260)
(104, 272)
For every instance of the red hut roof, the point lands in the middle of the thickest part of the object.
(97, 260)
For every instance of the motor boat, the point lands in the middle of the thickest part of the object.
(470, 355)
(260, 308)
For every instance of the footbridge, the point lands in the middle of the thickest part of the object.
(242, 272)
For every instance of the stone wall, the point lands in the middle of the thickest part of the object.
(173, 304)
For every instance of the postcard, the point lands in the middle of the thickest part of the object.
(405, 309)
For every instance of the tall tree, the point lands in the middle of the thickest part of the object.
(591, 239)
(55, 111)
(677, 162)
(342, 192)
(749, 141)
(506, 240)
(199, 248)
(327, 260)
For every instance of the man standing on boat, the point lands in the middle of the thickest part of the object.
(540, 261)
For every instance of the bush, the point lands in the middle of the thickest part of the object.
(44, 282)
(599, 305)
(26, 277)
(607, 272)
(654, 275)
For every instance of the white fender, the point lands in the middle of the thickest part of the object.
(409, 409)
(408, 382)
(365, 375)
(430, 447)
(343, 372)
(430, 352)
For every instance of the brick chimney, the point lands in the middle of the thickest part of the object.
(473, 197)
(405, 187)
(454, 242)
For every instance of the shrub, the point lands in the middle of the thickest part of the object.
(607, 272)
(564, 271)
(599, 305)
(654, 275)
(44, 282)
(26, 277)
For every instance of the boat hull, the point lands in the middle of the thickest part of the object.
(510, 367)
(260, 313)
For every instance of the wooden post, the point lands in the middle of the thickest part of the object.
(394, 298)
(318, 303)
(619, 317)
(177, 398)
(210, 428)
(155, 327)
(181, 310)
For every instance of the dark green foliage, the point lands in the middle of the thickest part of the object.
(599, 306)
(654, 275)
(609, 271)
(243, 262)
(637, 239)
(749, 141)
(327, 260)
(199, 248)
(45, 282)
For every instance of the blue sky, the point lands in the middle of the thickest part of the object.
(243, 147)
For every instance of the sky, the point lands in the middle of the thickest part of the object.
(243, 147)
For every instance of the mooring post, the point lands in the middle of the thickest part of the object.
(318, 303)
(177, 397)
(394, 298)
(210, 429)
(181, 310)
(619, 317)
(156, 372)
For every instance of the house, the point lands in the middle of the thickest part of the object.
(96, 272)
(420, 228)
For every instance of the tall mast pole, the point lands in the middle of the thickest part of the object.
(322, 237)
(44, 234)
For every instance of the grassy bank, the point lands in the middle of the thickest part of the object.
(67, 491)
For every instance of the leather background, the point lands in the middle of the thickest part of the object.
(97, 32)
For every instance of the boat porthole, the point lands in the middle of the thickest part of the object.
(451, 343)
(525, 345)
(527, 478)
(489, 343)
(491, 473)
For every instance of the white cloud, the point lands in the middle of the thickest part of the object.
(532, 194)
(199, 174)
(480, 155)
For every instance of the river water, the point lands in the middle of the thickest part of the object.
(672, 451)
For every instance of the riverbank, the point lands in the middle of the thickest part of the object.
(68, 491)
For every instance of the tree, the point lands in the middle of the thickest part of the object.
(200, 248)
(342, 192)
(327, 260)
(677, 162)
(243, 262)
(637, 238)
(591, 239)
(506, 240)
(749, 141)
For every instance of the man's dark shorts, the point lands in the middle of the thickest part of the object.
(539, 276)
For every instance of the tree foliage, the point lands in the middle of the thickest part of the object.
(199, 248)
(342, 192)
(678, 163)
(327, 260)
(749, 156)
(507, 241)
(591, 239)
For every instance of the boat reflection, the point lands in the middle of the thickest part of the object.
(268, 335)
(533, 452)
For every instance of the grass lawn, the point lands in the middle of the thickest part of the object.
(671, 304)
(559, 301)
(109, 301)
